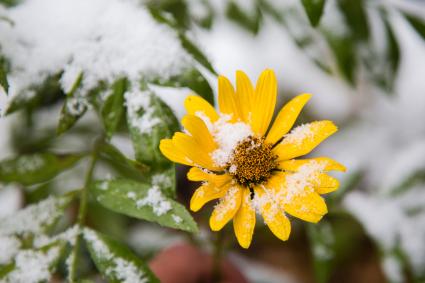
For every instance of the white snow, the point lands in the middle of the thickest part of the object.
(226, 203)
(227, 135)
(156, 200)
(301, 182)
(123, 270)
(298, 134)
(392, 221)
(9, 247)
(140, 111)
(32, 266)
(33, 219)
(103, 39)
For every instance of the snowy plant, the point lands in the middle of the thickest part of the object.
(89, 88)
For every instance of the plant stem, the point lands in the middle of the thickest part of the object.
(82, 216)
(217, 256)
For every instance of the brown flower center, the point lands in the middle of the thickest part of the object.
(252, 161)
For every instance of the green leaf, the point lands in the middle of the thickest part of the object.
(392, 55)
(192, 79)
(245, 20)
(345, 55)
(417, 23)
(3, 75)
(322, 242)
(73, 108)
(127, 167)
(36, 218)
(314, 10)
(33, 265)
(115, 261)
(49, 92)
(143, 201)
(196, 53)
(35, 168)
(355, 17)
(149, 120)
(113, 109)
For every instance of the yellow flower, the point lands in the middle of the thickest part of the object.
(248, 167)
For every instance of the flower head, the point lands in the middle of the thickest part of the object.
(249, 167)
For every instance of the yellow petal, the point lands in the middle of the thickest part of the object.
(226, 208)
(193, 151)
(308, 206)
(304, 139)
(327, 163)
(197, 174)
(296, 196)
(324, 184)
(244, 96)
(196, 105)
(167, 148)
(272, 213)
(199, 131)
(227, 98)
(287, 117)
(206, 193)
(244, 220)
(264, 102)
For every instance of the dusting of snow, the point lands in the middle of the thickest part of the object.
(161, 180)
(177, 218)
(9, 247)
(227, 135)
(233, 168)
(104, 185)
(263, 200)
(298, 134)
(103, 39)
(33, 266)
(33, 218)
(140, 111)
(156, 201)
(123, 270)
(24, 164)
(226, 203)
(69, 236)
(300, 182)
(131, 195)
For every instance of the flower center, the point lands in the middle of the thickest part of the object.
(252, 161)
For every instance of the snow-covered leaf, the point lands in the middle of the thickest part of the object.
(33, 265)
(45, 93)
(115, 261)
(314, 10)
(113, 108)
(35, 168)
(36, 218)
(73, 108)
(149, 120)
(143, 201)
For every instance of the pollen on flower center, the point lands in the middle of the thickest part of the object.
(252, 161)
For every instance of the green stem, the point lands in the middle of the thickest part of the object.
(217, 256)
(82, 216)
